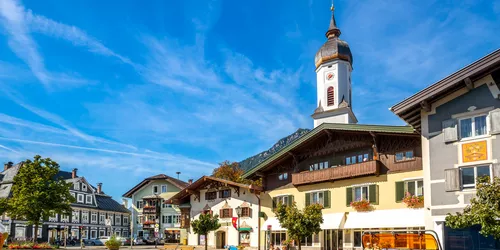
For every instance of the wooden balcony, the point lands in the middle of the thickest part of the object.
(337, 173)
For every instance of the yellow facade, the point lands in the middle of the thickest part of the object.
(386, 194)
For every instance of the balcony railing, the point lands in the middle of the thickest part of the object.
(337, 173)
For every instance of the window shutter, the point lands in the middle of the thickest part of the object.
(348, 195)
(495, 121)
(326, 199)
(373, 194)
(452, 179)
(400, 191)
(221, 213)
(496, 170)
(308, 199)
(250, 212)
(230, 213)
(275, 201)
(450, 130)
(290, 200)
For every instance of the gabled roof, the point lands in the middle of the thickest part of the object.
(409, 108)
(201, 183)
(107, 203)
(380, 129)
(176, 182)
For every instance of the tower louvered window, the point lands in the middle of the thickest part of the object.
(330, 96)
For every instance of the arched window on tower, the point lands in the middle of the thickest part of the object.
(330, 96)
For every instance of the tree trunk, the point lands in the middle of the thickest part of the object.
(298, 243)
(206, 242)
(36, 233)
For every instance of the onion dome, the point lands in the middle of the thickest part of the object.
(334, 48)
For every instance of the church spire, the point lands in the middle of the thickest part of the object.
(333, 30)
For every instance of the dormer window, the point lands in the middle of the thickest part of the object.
(80, 198)
(76, 186)
(89, 199)
(330, 96)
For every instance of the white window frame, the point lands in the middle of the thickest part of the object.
(101, 233)
(94, 233)
(125, 220)
(157, 189)
(473, 126)
(102, 219)
(362, 188)
(317, 194)
(93, 217)
(163, 186)
(473, 186)
(281, 199)
(319, 166)
(118, 219)
(73, 194)
(84, 187)
(75, 216)
(88, 199)
(81, 198)
(416, 181)
(283, 176)
(141, 204)
(76, 185)
(85, 217)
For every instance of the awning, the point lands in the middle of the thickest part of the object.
(274, 223)
(332, 221)
(391, 218)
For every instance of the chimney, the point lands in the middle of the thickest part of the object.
(99, 188)
(7, 165)
(190, 181)
(73, 173)
(125, 203)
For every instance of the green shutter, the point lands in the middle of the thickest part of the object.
(275, 201)
(400, 191)
(290, 200)
(373, 194)
(308, 199)
(326, 199)
(348, 195)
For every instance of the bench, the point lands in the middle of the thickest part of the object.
(170, 247)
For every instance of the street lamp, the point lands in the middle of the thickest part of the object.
(238, 212)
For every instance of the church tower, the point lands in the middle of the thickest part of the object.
(333, 71)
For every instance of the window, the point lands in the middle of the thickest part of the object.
(64, 217)
(169, 219)
(226, 193)
(101, 233)
(163, 188)
(125, 220)
(93, 217)
(89, 199)
(246, 212)
(470, 175)
(75, 216)
(330, 96)
(282, 200)
(166, 205)
(93, 234)
(309, 240)
(80, 198)
(357, 239)
(84, 187)
(283, 176)
(473, 126)
(73, 194)
(277, 237)
(125, 234)
(405, 156)
(317, 198)
(358, 158)
(415, 187)
(361, 193)
(101, 218)
(139, 204)
(226, 213)
(85, 217)
(210, 195)
(176, 218)
(155, 190)
(118, 220)
(319, 166)
(111, 218)
(76, 186)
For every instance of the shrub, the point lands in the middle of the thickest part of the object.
(113, 243)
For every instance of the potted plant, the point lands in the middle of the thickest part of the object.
(413, 201)
(362, 205)
(113, 243)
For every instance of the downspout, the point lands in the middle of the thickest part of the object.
(258, 221)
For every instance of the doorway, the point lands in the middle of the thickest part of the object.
(221, 240)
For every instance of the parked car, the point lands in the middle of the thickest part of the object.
(125, 241)
(139, 241)
(97, 242)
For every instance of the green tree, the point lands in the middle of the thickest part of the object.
(483, 210)
(37, 194)
(231, 171)
(300, 224)
(205, 224)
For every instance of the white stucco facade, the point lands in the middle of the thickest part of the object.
(227, 235)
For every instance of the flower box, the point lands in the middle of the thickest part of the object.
(413, 201)
(362, 205)
(29, 245)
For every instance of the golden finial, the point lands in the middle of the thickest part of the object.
(332, 8)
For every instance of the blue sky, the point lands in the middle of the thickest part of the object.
(123, 90)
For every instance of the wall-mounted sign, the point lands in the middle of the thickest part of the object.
(474, 151)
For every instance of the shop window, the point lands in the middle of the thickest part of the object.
(357, 239)
(277, 237)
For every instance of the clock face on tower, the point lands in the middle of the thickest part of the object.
(330, 76)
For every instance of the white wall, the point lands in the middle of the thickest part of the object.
(231, 232)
